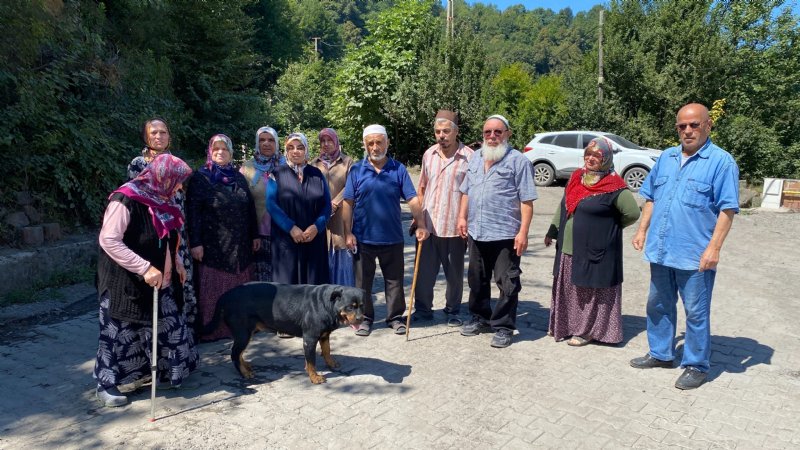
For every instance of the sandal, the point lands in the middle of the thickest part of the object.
(578, 341)
(364, 329)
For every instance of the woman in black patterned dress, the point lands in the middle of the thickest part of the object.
(223, 232)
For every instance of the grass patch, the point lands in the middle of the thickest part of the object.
(39, 290)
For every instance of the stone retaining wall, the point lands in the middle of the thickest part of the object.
(20, 268)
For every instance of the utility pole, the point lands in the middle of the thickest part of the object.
(316, 46)
(600, 78)
(448, 30)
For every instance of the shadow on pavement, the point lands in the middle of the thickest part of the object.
(737, 354)
(632, 326)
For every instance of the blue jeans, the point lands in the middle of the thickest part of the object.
(695, 289)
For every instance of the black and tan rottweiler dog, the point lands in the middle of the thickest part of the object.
(307, 311)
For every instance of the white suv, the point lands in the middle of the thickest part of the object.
(557, 154)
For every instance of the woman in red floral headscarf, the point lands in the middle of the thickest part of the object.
(587, 288)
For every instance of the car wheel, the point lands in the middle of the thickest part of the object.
(634, 177)
(543, 174)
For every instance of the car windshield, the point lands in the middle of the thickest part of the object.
(624, 142)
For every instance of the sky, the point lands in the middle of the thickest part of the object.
(576, 5)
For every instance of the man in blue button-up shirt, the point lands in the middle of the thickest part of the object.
(373, 227)
(691, 196)
(495, 214)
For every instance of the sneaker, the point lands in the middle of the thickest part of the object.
(502, 338)
(475, 326)
(398, 327)
(110, 396)
(648, 362)
(454, 321)
(691, 378)
(364, 329)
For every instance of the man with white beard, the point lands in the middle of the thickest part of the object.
(495, 215)
(373, 225)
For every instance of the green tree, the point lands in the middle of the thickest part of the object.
(371, 73)
(543, 108)
(303, 95)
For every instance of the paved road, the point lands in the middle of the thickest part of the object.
(442, 390)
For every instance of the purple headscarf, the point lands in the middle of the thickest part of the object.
(329, 158)
(214, 172)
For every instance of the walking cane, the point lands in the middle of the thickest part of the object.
(154, 357)
(413, 288)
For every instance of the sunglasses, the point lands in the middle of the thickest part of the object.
(488, 133)
(693, 125)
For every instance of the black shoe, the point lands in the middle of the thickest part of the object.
(648, 362)
(502, 338)
(691, 378)
(475, 326)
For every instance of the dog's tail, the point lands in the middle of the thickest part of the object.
(218, 311)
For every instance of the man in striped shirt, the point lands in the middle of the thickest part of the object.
(444, 166)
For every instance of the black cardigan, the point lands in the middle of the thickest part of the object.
(131, 297)
(596, 241)
(223, 220)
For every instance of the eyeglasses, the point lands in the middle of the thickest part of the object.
(488, 133)
(693, 125)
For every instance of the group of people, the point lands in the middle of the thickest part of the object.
(290, 219)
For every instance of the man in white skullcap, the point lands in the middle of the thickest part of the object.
(373, 225)
(495, 217)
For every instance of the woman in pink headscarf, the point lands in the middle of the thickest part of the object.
(335, 165)
(587, 289)
(139, 241)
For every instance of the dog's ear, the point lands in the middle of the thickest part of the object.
(336, 295)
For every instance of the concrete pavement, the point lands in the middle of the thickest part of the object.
(443, 390)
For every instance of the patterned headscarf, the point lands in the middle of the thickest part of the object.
(214, 172)
(602, 145)
(155, 187)
(587, 183)
(266, 164)
(298, 169)
(329, 158)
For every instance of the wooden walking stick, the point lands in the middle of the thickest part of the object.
(154, 357)
(413, 288)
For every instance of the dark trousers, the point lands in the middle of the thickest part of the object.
(390, 258)
(500, 258)
(447, 252)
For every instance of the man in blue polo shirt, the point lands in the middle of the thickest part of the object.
(495, 216)
(373, 227)
(691, 196)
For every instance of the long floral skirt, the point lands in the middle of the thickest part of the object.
(214, 283)
(124, 350)
(594, 313)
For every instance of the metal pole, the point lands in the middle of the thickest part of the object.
(154, 357)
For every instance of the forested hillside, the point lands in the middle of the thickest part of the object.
(79, 77)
